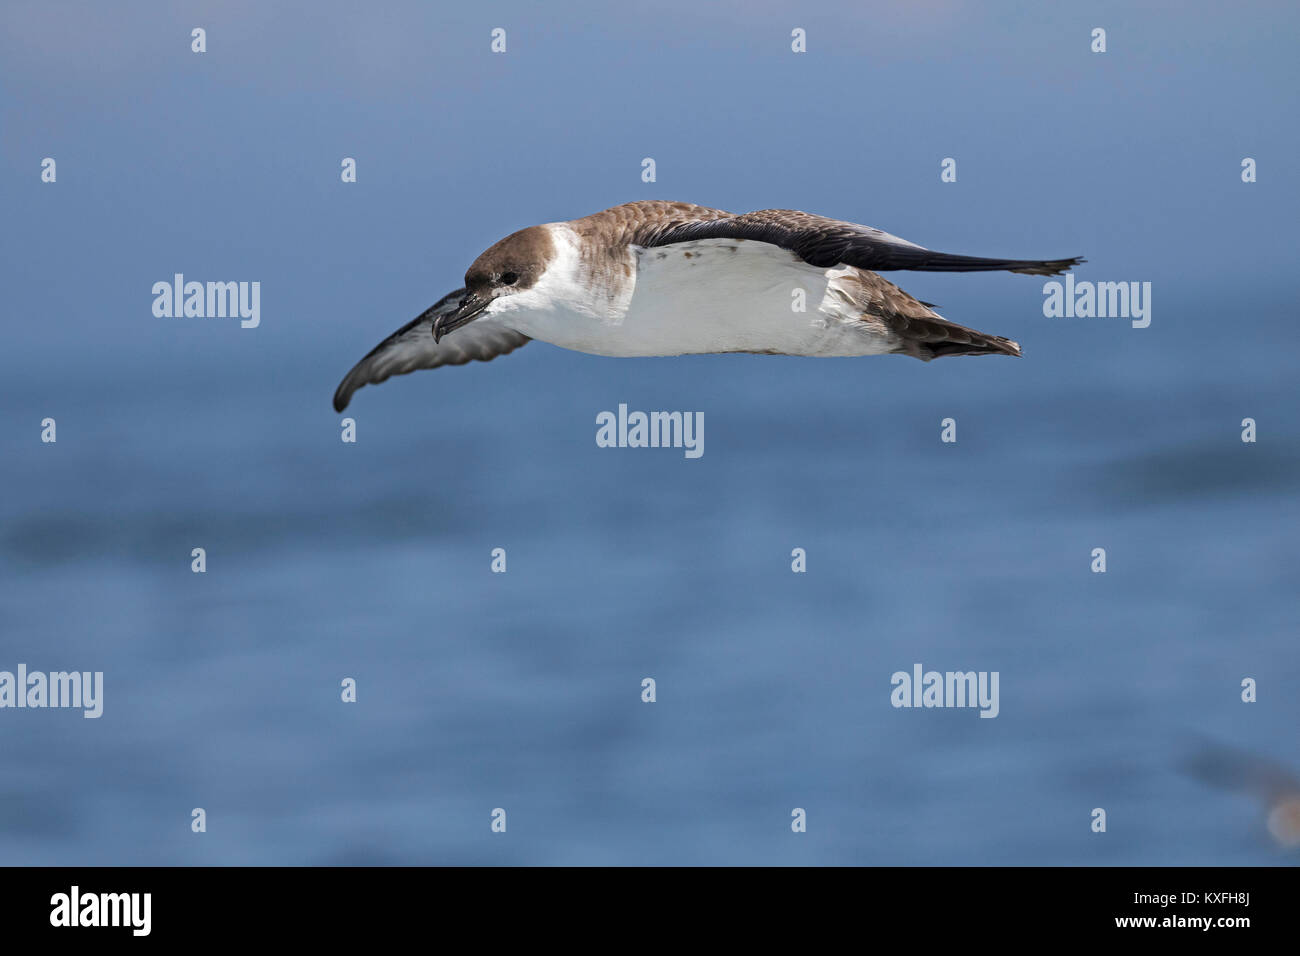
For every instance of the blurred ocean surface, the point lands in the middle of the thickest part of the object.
(522, 690)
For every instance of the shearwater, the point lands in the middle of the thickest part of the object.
(671, 278)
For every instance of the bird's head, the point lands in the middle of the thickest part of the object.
(509, 267)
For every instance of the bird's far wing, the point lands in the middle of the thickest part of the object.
(826, 242)
(412, 347)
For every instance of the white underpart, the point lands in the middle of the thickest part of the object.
(712, 295)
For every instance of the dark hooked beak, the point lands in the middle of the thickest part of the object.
(466, 312)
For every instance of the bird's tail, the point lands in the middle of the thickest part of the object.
(981, 344)
(934, 337)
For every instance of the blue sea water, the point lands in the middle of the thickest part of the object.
(522, 690)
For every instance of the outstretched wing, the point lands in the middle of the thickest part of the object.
(828, 242)
(412, 347)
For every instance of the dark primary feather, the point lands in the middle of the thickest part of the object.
(412, 347)
(826, 242)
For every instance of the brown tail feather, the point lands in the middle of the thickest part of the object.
(983, 345)
(933, 337)
(919, 331)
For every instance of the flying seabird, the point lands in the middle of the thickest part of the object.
(671, 278)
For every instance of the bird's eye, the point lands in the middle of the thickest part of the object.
(509, 278)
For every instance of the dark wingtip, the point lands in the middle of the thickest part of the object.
(342, 396)
(1050, 267)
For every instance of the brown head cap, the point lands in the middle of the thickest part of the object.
(516, 262)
